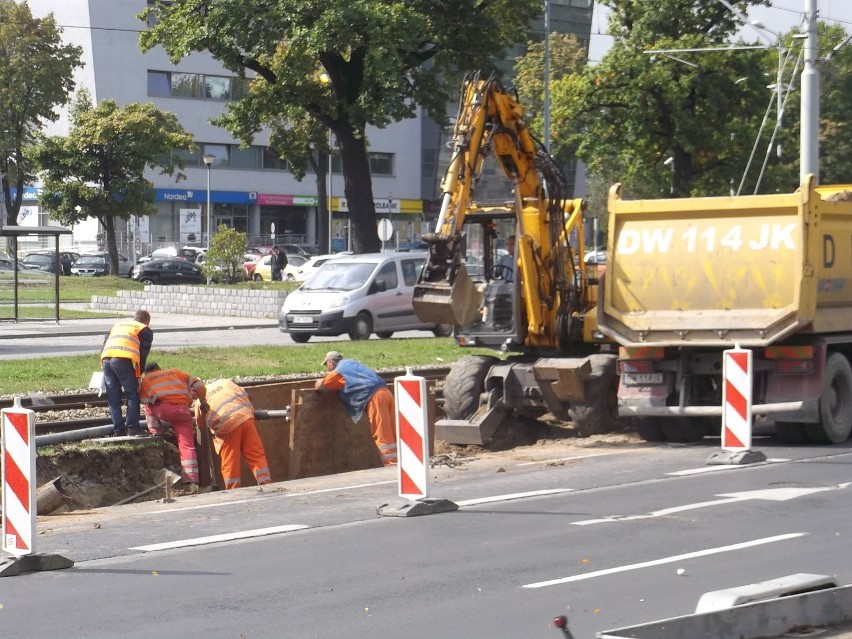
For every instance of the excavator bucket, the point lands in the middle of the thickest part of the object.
(457, 302)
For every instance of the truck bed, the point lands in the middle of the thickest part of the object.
(719, 271)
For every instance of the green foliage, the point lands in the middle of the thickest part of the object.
(340, 65)
(98, 170)
(51, 374)
(224, 261)
(36, 76)
(633, 111)
(567, 57)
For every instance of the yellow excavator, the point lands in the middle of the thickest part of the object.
(534, 305)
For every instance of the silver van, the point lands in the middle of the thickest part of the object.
(358, 295)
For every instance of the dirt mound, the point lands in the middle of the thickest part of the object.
(103, 474)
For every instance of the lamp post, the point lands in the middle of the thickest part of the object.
(208, 162)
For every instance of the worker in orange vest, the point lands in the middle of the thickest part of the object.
(123, 357)
(167, 396)
(229, 415)
(360, 389)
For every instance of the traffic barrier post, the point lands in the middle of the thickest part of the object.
(18, 494)
(737, 378)
(412, 436)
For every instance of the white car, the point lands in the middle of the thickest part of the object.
(307, 269)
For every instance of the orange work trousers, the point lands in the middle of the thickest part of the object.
(380, 412)
(242, 441)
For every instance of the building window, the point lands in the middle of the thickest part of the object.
(159, 84)
(272, 161)
(220, 151)
(381, 163)
(244, 158)
(164, 84)
(184, 85)
(217, 88)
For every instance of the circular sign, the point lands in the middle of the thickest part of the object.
(385, 229)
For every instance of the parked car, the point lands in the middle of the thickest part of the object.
(359, 295)
(169, 270)
(46, 260)
(262, 269)
(306, 269)
(97, 265)
(295, 249)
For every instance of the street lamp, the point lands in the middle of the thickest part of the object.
(208, 162)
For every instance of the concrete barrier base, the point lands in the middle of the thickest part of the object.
(12, 566)
(735, 457)
(416, 508)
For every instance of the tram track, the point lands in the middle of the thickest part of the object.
(45, 405)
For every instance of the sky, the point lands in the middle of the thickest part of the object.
(782, 16)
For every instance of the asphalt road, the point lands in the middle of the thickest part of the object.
(599, 534)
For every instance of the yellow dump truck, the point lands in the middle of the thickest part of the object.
(687, 279)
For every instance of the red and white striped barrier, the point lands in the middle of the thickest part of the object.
(411, 435)
(736, 399)
(736, 410)
(17, 435)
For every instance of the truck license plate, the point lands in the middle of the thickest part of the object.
(642, 379)
(303, 319)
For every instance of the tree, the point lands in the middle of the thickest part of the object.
(339, 65)
(36, 76)
(567, 56)
(632, 112)
(98, 170)
(224, 261)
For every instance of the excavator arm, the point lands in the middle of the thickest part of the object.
(490, 122)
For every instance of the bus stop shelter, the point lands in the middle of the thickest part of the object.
(13, 233)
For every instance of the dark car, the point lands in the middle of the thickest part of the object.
(45, 261)
(170, 270)
(97, 265)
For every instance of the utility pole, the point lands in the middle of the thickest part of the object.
(809, 138)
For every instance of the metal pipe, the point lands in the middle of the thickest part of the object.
(72, 436)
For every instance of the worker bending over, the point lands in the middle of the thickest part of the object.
(229, 415)
(361, 389)
(167, 396)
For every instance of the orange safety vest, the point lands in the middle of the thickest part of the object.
(229, 407)
(123, 341)
(171, 386)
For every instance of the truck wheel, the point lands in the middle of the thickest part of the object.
(601, 415)
(685, 429)
(792, 432)
(649, 429)
(300, 338)
(464, 384)
(362, 328)
(835, 403)
(385, 334)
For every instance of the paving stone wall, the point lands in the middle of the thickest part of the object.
(192, 300)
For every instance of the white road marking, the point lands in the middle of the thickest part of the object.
(212, 539)
(769, 494)
(511, 496)
(722, 467)
(666, 560)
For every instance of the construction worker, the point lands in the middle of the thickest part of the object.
(167, 396)
(123, 356)
(361, 389)
(229, 415)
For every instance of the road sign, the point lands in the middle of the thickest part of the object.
(385, 229)
(413, 444)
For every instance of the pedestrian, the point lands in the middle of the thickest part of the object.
(360, 389)
(123, 356)
(229, 415)
(167, 396)
(279, 263)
